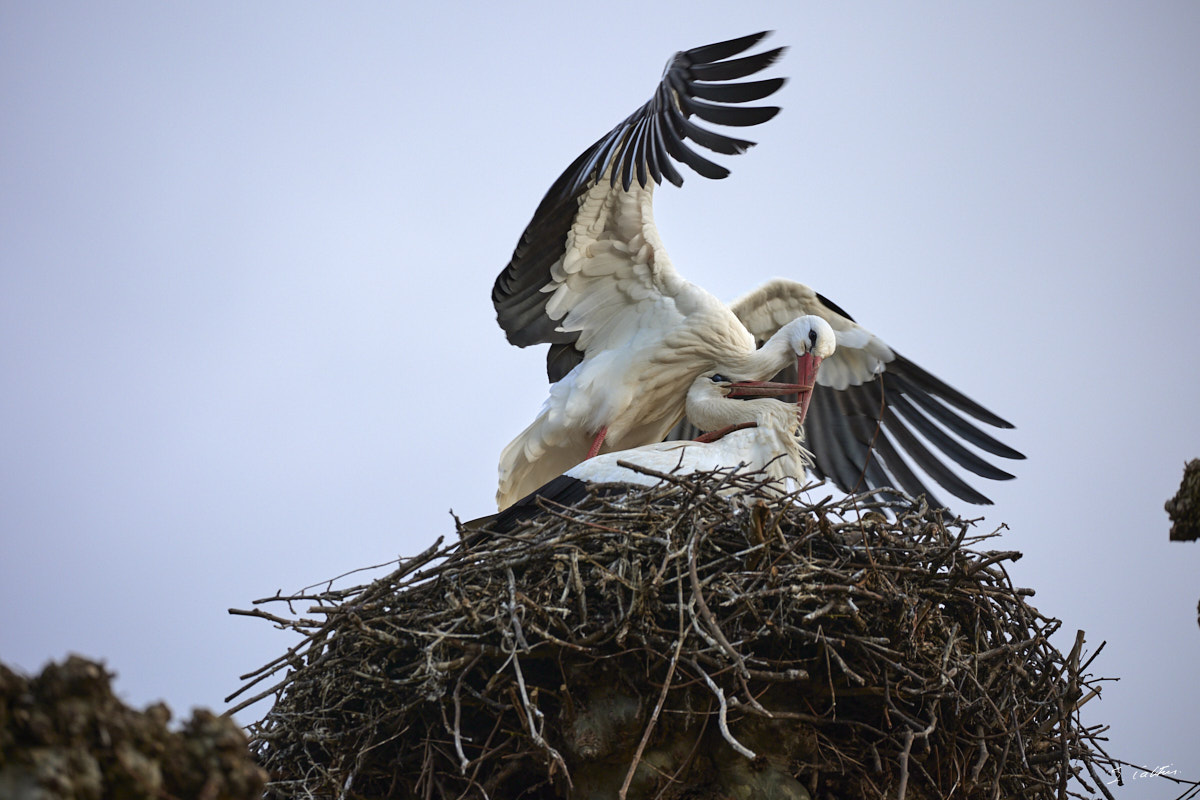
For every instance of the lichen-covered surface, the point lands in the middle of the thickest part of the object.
(677, 642)
(65, 736)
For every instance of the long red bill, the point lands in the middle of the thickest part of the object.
(806, 374)
(765, 388)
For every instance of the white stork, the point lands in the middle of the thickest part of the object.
(628, 334)
(764, 435)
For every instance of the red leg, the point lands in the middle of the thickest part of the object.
(599, 440)
(712, 436)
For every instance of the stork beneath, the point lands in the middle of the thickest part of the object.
(765, 436)
(628, 334)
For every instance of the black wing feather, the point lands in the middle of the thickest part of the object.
(719, 51)
(961, 455)
(738, 67)
(675, 134)
(562, 358)
(903, 474)
(918, 452)
(561, 491)
(954, 422)
(827, 433)
(661, 166)
(737, 92)
(725, 145)
(630, 152)
(936, 387)
(736, 116)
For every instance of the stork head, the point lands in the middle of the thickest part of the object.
(812, 339)
(811, 335)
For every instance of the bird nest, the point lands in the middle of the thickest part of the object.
(683, 641)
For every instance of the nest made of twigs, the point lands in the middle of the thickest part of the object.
(684, 641)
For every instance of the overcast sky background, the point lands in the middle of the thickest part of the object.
(246, 250)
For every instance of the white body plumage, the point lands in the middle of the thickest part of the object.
(773, 446)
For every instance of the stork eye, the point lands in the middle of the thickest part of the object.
(812, 338)
(719, 378)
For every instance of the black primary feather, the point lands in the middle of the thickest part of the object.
(561, 491)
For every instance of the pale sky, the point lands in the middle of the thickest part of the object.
(246, 250)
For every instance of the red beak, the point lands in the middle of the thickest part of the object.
(806, 376)
(765, 389)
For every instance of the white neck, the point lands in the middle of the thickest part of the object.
(709, 410)
(780, 350)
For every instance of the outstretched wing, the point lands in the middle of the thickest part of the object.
(591, 258)
(870, 401)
